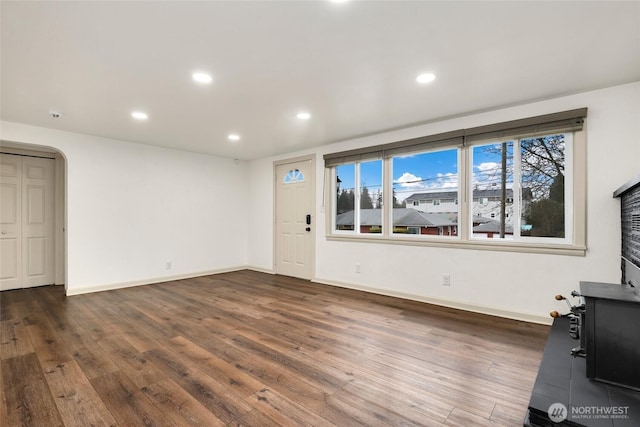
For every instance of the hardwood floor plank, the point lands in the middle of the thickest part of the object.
(50, 348)
(243, 385)
(93, 314)
(179, 407)
(342, 413)
(214, 395)
(29, 402)
(461, 418)
(138, 339)
(294, 386)
(284, 411)
(4, 414)
(93, 360)
(74, 396)
(215, 340)
(128, 405)
(14, 339)
(410, 404)
(131, 362)
(15, 304)
(253, 419)
(506, 415)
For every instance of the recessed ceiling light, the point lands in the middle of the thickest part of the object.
(202, 77)
(338, 1)
(426, 78)
(139, 115)
(233, 137)
(303, 115)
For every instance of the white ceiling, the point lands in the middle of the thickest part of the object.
(351, 65)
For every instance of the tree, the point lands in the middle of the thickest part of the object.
(345, 201)
(365, 199)
(541, 161)
(542, 166)
(378, 198)
(546, 216)
(397, 204)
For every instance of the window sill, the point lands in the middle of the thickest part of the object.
(456, 243)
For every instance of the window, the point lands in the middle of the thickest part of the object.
(345, 197)
(516, 185)
(294, 175)
(527, 177)
(413, 230)
(426, 176)
(358, 199)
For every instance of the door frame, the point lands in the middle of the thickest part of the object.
(314, 221)
(60, 199)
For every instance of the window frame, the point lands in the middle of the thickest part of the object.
(357, 191)
(574, 242)
(516, 200)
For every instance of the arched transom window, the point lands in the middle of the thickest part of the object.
(294, 175)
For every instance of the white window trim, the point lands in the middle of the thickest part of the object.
(574, 244)
(517, 190)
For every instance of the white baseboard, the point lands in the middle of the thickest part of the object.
(260, 269)
(526, 317)
(122, 285)
(492, 311)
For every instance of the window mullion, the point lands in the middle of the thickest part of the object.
(387, 196)
(517, 190)
(356, 200)
(568, 187)
(464, 176)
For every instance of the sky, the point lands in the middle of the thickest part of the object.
(432, 171)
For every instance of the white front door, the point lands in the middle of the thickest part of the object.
(26, 221)
(294, 218)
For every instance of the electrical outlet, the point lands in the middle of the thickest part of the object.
(168, 265)
(446, 280)
(358, 268)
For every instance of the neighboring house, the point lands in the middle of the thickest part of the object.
(490, 228)
(405, 221)
(486, 203)
(436, 201)
(412, 221)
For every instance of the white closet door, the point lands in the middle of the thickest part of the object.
(26, 222)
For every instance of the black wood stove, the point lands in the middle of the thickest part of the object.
(590, 370)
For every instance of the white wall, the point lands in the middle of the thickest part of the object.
(510, 284)
(131, 208)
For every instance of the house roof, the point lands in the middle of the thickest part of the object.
(433, 195)
(406, 217)
(402, 217)
(491, 226)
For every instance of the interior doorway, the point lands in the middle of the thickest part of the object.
(32, 212)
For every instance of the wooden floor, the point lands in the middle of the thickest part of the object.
(252, 349)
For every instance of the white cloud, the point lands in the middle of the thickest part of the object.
(409, 180)
(488, 166)
(446, 180)
(408, 184)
